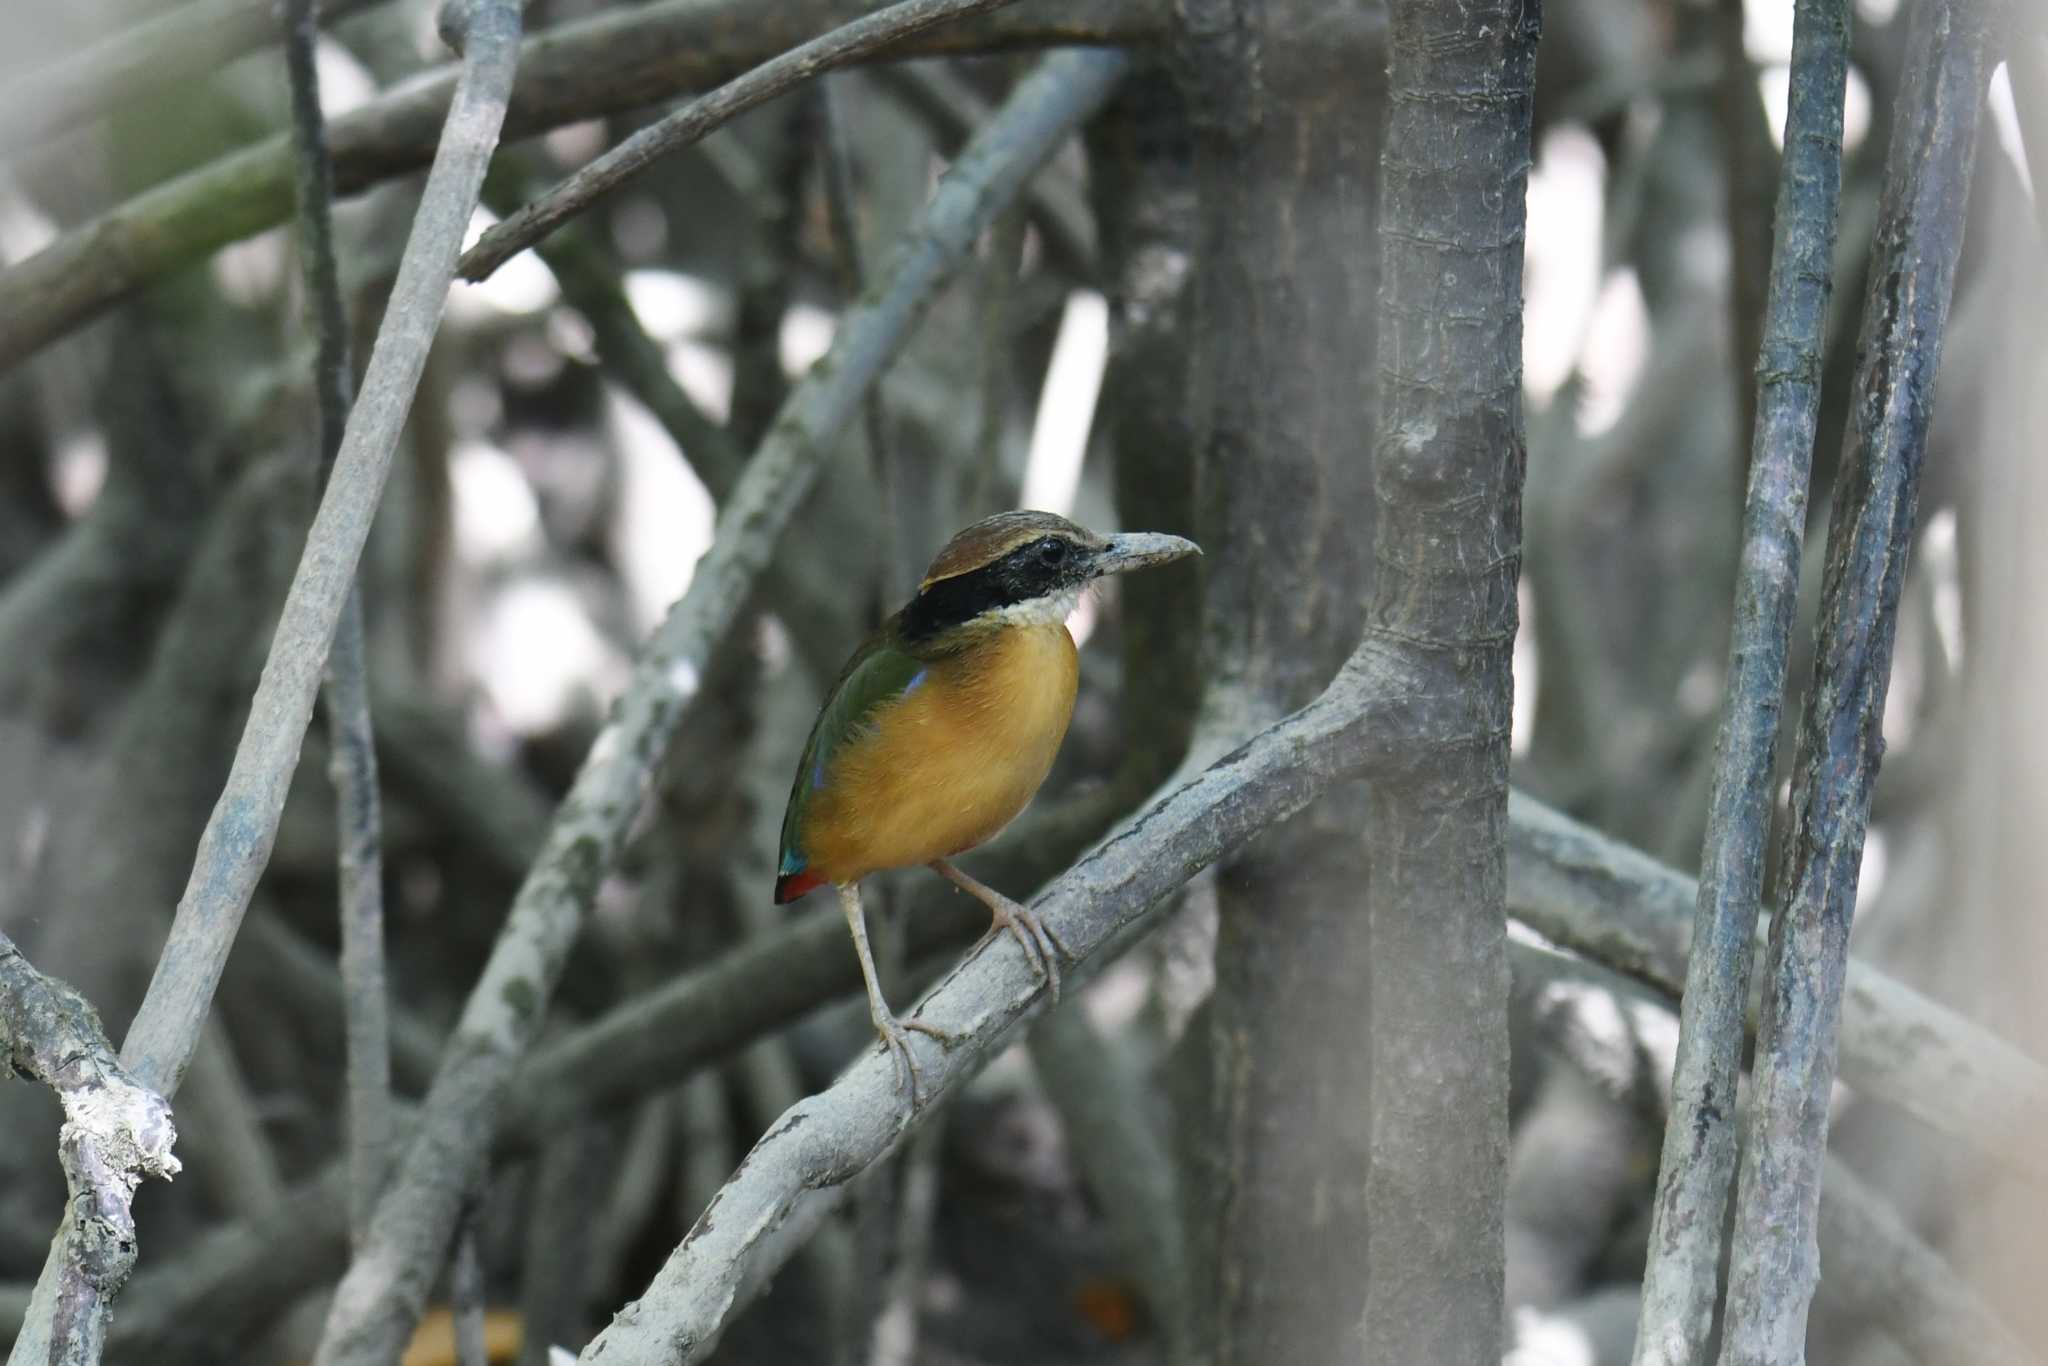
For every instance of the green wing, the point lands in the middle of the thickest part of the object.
(879, 673)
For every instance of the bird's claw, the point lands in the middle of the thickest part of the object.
(1039, 943)
(895, 1038)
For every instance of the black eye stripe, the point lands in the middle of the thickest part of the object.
(1031, 570)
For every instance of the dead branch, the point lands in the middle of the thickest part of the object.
(382, 1295)
(116, 1131)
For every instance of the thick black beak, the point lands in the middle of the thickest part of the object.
(1138, 549)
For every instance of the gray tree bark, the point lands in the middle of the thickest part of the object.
(1286, 101)
(1448, 471)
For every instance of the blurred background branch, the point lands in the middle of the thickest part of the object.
(1173, 326)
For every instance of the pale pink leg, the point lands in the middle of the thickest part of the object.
(1039, 943)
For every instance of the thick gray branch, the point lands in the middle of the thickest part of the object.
(116, 1131)
(1697, 1170)
(1447, 479)
(385, 1289)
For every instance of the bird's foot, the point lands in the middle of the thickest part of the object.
(1039, 943)
(1041, 946)
(895, 1035)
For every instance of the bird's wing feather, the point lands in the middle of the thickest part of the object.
(879, 673)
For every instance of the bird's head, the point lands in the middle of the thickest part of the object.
(1025, 569)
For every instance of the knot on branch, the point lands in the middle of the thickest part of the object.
(116, 1130)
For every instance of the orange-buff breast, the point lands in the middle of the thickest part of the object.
(949, 764)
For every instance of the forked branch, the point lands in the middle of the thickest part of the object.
(116, 1131)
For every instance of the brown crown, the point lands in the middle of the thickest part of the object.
(991, 538)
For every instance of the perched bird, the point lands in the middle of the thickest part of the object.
(943, 724)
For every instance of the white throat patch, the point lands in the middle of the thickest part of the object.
(1051, 610)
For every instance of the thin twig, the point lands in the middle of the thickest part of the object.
(292, 974)
(631, 158)
(353, 765)
(1697, 1170)
(385, 1288)
(235, 1165)
(1773, 1269)
(619, 60)
(239, 834)
(590, 283)
(560, 1222)
(138, 64)
(996, 327)
(116, 1131)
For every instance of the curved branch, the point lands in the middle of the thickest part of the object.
(116, 1131)
(385, 1289)
(691, 124)
(827, 1139)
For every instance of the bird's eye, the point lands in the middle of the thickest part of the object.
(1051, 552)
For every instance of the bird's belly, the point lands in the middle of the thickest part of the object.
(952, 763)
